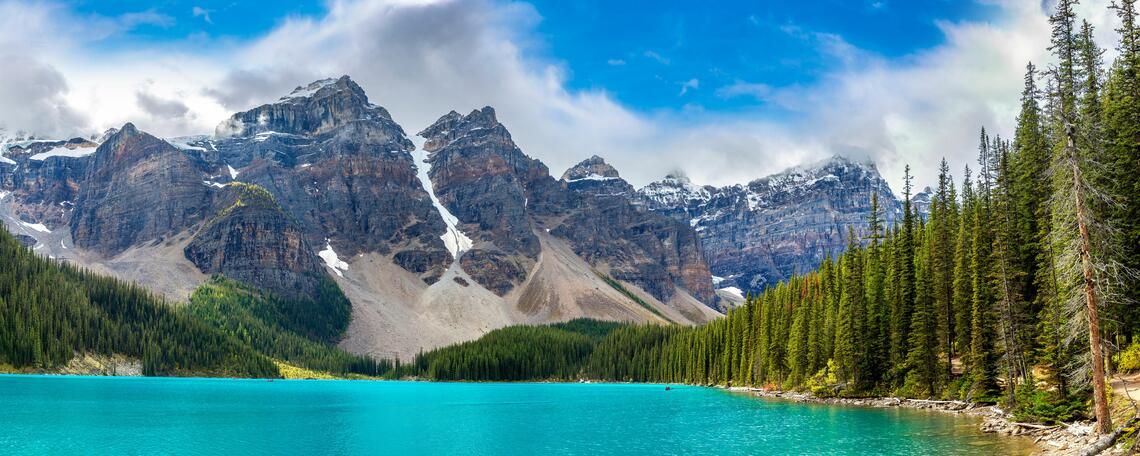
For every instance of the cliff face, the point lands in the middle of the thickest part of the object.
(342, 167)
(251, 239)
(758, 234)
(485, 180)
(137, 189)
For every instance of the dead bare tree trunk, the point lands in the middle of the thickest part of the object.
(1100, 394)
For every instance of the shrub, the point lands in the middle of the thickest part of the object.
(1129, 359)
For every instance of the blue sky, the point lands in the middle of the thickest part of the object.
(644, 52)
(649, 55)
(726, 92)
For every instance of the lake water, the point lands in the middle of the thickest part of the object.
(106, 415)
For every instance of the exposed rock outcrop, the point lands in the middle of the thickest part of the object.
(251, 239)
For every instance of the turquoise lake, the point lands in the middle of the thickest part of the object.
(106, 415)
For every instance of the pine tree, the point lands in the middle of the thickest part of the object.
(922, 360)
(963, 260)
(904, 260)
(878, 325)
(1030, 208)
(983, 369)
(1007, 277)
(942, 259)
(847, 332)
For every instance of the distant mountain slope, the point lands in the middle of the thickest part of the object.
(759, 234)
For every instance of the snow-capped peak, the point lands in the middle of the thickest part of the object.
(309, 90)
(675, 189)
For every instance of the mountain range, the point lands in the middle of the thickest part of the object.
(322, 188)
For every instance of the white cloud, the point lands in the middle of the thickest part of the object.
(421, 59)
(653, 55)
(745, 89)
(691, 84)
(204, 13)
(615, 62)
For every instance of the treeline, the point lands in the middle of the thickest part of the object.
(50, 312)
(301, 332)
(552, 352)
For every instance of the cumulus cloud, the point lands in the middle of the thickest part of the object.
(32, 98)
(149, 17)
(422, 58)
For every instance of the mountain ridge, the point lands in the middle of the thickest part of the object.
(342, 179)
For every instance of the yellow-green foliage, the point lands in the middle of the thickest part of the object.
(824, 383)
(292, 372)
(1129, 359)
(248, 195)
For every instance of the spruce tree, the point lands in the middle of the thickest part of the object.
(905, 270)
(963, 261)
(983, 359)
(942, 259)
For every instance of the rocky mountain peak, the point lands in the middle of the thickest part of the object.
(479, 124)
(128, 145)
(311, 110)
(594, 176)
(324, 88)
(594, 167)
(106, 135)
(674, 192)
(922, 201)
(128, 130)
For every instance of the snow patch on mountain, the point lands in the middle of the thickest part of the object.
(78, 152)
(332, 260)
(593, 177)
(309, 90)
(454, 239)
(189, 142)
(36, 226)
(732, 293)
(675, 190)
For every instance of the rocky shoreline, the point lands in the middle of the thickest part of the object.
(1061, 440)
